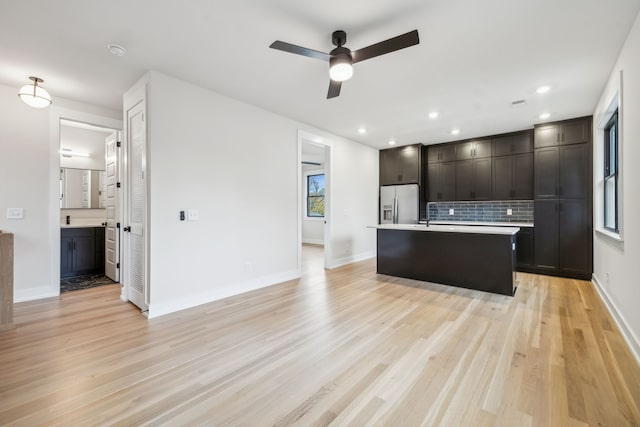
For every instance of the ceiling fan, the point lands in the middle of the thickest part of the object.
(341, 58)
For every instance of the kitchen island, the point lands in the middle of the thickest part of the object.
(474, 257)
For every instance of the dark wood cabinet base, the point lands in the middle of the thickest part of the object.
(485, 262)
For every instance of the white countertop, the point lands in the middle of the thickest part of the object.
(492, 224)
(477, 229)
(81, 225)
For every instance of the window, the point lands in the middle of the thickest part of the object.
(611, 162)
(315, 196)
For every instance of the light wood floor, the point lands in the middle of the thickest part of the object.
(341, 347)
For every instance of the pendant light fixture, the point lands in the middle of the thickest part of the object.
(35, 96)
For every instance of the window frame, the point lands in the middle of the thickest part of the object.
(308, 197)
(609, 174)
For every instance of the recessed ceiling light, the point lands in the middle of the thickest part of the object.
(362, 131)
(392, 142)
(545, 116)
(434, 115)
(117, 50)
(543, 89)
(455, 131)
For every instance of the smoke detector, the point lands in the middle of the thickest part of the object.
(117, 50)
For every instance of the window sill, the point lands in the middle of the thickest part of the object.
(609, 234)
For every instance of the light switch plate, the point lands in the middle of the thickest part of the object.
(509, 212)
(15, 213)
(193, 215)
(451, 211)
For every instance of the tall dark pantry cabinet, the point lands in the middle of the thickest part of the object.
(563, 205)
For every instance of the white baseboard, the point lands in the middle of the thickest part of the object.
(350, 259)
(313, 241)
(631, 339)
(189, 301)
(21, 295)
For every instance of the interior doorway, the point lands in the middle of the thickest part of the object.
(71, 161)
(89, 205)
(314, 178)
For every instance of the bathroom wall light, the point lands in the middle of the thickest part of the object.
(33, 95)
(67, 152)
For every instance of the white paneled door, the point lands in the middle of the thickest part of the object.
(112, 201)
(137, 207)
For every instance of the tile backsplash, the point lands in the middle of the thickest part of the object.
(492, 211)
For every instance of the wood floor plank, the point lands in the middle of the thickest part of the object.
(336, 347)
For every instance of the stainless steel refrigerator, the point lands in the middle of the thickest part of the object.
(399, 204)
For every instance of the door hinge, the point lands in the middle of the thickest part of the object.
(118, 144)
(118, 225)
(117, 265)
(118, 185)
(127, 229)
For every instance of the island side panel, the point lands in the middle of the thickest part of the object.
(485, 262)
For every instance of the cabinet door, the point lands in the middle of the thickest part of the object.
(574, 163)
(84, 254)
(464, 150)
(546, 234)
(546, 136)
(482, 179)
(575, 132)
(522, 143)
(409, 165)
(524, 247)
(441, 153)
(502, 178)
(482, 149)
(448, 181)
(433, 182)
(574, 237)
(522, 177)
(66, 255)
(546, 172)
(464, 180)
(389, 167)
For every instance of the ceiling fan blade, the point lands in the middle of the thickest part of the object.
(334, 89)
(387, 46)
(298, 50)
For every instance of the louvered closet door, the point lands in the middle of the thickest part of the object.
(112, 202)
(137, 202)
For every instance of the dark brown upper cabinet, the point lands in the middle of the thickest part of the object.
(563, 133)
(473, 179)
(441, 153)
(476, 149)
(400, 165)
(441, 181)
(508, 145)
(562, 172)
(513, 177)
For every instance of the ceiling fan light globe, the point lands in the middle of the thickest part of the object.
(341, 71)
(38, 98)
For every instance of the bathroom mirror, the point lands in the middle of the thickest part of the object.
(82, 189)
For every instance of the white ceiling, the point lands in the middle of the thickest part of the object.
(474, 58)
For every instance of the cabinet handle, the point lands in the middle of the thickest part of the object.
(399, 177)
(74, 245)
(562, 136)
(560, 206)
(512, 148)
(439, 156)
(557, 137)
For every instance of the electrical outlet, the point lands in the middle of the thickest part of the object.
(193, 215)
(509, 212)
(607, 278)
(451, 211)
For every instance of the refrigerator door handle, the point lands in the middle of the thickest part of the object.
(395, 210)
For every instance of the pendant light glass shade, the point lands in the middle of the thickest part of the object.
(35, 96)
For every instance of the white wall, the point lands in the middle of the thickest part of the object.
(312, 228)
(238, 165)
(25, 182)
(617, 262)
